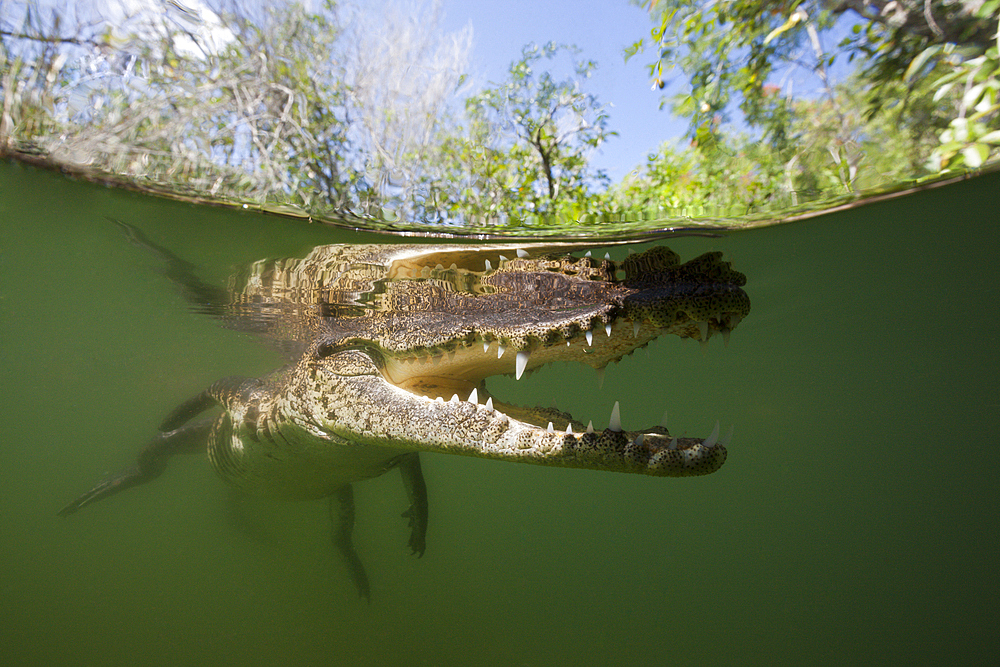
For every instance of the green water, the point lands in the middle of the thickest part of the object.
(855, 521)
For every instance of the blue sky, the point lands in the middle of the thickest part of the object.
(601, 29)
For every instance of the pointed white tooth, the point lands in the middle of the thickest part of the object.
(569, 429)
(588, 254)
(639, 439)
(710, 441)
(590, 338)
(704, 331)
(635, 328)
(615, 423)
(502, 258)
(451, 355)
(439, 399)
(550, 429)
(500, 350)
(673, 443)
(607, 255)
(663, 421)
(590, 426)
(567, 343)
(454, 398)
(489, 267)
(439, 267)
(489, 402)
(522, 253)
(474, 396)
(607, 329)
(453, 267)
(600, 376)
(520, 363)
(725, 337)
(486, 347)
(728, 437)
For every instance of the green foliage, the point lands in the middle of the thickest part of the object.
(830, 148)
(923, 70)
(973, 136)
(524, 154)
(548, 130)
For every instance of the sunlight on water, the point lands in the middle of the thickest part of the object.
(853, 523)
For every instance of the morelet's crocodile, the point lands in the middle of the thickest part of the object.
(391, 352)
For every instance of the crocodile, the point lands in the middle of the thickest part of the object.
(389, 350)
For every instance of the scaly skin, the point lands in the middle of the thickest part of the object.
(392, 353)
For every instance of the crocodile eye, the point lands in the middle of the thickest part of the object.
(325, 350)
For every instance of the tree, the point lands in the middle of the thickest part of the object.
(291, 109)
(731, 48)
(910, 83)
(545, 132)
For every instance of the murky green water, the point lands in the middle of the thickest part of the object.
(855, 521)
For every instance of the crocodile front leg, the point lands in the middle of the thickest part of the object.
(416, 491)
(176, 436)
(342, 531)
(149, 464)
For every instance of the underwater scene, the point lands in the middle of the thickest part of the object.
(853, 520)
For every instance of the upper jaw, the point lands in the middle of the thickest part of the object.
(530, 312)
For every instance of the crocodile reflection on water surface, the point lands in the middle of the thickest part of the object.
(391, 346)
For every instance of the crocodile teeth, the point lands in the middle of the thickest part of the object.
(454, 398)
(489, 402)
(489, 267)
(502, 258)
(588, 254)
(520, 363)
(607, 255)
(615, 423)
(439, 399)
(710, 441)
(607, 329)
(600, 376)
(550, 429)
(728, 437)
(486, 347)
(590, 426)
(569, 429)
(522, 253)
(704, 331)
(635, 328)
(639, 439)
(500, 350)
(474, 396)
(590, 338)
(673, 443)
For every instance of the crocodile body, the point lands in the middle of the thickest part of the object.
(390, 352)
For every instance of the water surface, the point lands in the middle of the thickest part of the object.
(854, 522)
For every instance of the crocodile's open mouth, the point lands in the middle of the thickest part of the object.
(529, 312)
